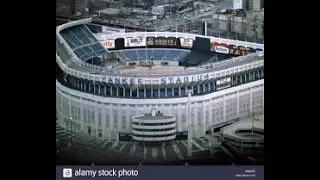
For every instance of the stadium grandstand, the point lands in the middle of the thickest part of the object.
(103, 85)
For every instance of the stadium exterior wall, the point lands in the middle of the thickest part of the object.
(107, 117)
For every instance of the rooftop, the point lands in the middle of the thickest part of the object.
(109, 11)
(153, 116)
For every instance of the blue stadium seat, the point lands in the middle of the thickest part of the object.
(82, 41)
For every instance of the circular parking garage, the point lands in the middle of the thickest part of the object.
(153, 127)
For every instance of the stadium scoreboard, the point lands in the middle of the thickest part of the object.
(161, 41)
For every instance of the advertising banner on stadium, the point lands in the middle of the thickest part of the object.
(112, 30)
(105, 40)
(109, 43)
(223, 81)
(161, 41)
(150, 41)
(240, 50)
(135, 41)
(219, 48)
(186, 42)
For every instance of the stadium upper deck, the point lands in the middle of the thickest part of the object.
(72, 56)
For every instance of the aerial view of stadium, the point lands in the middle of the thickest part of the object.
(137, 94)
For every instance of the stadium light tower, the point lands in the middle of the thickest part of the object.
(190, 124)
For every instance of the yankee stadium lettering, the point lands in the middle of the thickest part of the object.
(167, 80)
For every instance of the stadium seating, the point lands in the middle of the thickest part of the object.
(152, 53)
(83, 43)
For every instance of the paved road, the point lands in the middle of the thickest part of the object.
(71, 145)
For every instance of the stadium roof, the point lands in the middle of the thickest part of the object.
(156, 117)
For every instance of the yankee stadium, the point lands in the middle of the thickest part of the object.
(154, 87)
